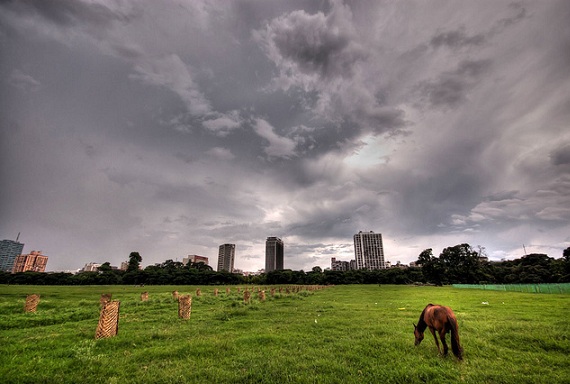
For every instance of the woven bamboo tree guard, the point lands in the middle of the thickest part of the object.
(175, 295)
(246, 297)
(262, 295)
(198, 292)
(32, 302)
(144, 296)
(184, 306)
(227, 291)
(272, 292)
(105, 298)
(216, 292)
(108, 320)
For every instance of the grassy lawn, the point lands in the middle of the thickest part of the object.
(341, 334)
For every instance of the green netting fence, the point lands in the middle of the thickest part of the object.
(528, 288)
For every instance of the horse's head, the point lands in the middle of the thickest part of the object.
(419, 335)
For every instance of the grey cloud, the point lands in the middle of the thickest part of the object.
(561, 156)
(279, 146)
(173, 136)
(503, 195)
(23, 81)
(171, 72)
(223, 124)
(520, 14)
(69, 12)
(451, 88)
(457, 39)
(315, 44)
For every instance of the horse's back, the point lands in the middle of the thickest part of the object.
(438, 316)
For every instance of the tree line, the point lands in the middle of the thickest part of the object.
(460, 264)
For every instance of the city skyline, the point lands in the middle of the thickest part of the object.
(170, 128)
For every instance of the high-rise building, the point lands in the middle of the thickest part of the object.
(35, 262)
(369, 251)
(273, 254)
(226, 257)
(9, 250)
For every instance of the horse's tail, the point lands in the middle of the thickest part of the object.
(455, 346)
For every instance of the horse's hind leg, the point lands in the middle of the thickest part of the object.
(442, 337)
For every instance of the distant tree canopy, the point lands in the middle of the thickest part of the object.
(134, 262)
(456, 264)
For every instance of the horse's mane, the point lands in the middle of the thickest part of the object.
(421, 322)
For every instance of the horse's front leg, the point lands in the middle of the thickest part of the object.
(432, 330)
(442, 337)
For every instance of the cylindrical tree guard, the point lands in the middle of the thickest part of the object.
(184, 306)
(108, 320)
(144, 296)
(32, 302)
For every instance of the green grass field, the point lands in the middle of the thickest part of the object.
(342, 334)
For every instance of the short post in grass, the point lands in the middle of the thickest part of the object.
(261, 295)
(105, 298)
(184, 306)
(175, 295)
(216, 292)
(108, 320)
(144, 296)
(32, 302)
(246, 297)
(198, 292)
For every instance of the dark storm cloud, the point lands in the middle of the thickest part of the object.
(309, 42)
(172, 127)
(561, 156)
(452, 88)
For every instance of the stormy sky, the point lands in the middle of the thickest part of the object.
(172, 127)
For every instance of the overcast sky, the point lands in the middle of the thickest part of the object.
(171, 127)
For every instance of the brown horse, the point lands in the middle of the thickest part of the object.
(441, 319)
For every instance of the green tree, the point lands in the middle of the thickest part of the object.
(461, 264)
(105, 267)
(432, 269)
(134, 262)
(566, 257)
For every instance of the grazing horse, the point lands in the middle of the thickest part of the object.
(441, 319)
